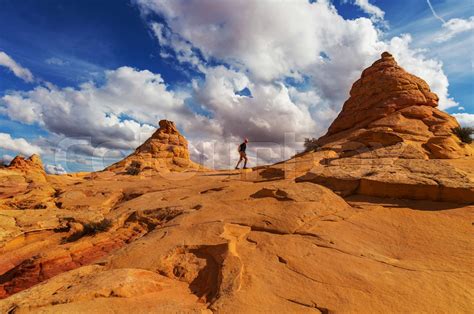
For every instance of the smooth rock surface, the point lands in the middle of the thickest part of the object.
(224, 242)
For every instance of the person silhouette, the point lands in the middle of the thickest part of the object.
(243, 155)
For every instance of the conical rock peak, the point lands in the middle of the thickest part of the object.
(389, 106)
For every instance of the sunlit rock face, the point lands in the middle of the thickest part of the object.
(166, 150)
(388, 106)
(33, 163)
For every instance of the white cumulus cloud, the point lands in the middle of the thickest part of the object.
(431, 70)
(18, 145)
(266, 116)
(6, 159)
(268, 42)
(116, 115)
(55, 169)
(465, 119)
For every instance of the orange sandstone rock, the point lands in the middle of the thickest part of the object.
(387, 106)
(33, 163)
(166, 150)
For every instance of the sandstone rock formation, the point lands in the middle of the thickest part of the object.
(31, 164)
(389, 107)
(24, 184)
(388, 141)
(166, 150)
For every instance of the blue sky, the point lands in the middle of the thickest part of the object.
(145, 60)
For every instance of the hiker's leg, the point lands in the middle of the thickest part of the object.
(238, 163)
(245, 162)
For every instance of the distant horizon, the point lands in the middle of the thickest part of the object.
(83, 83)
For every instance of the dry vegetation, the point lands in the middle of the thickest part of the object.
(464, 134)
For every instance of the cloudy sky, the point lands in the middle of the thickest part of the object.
(84, 82)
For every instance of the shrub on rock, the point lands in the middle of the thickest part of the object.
(464, 134)
(310, 144)
(134, 168)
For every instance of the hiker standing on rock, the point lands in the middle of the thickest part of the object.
(243, 155)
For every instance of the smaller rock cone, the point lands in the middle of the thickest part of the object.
(166, 150)
(33, 163)
(166, 142)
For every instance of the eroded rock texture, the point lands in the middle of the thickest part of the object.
(390, 140)
(31, 164)
(390, 107)
(166, 150)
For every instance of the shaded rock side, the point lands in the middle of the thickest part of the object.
(165, 150)
(388, 106)
(434, 180)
